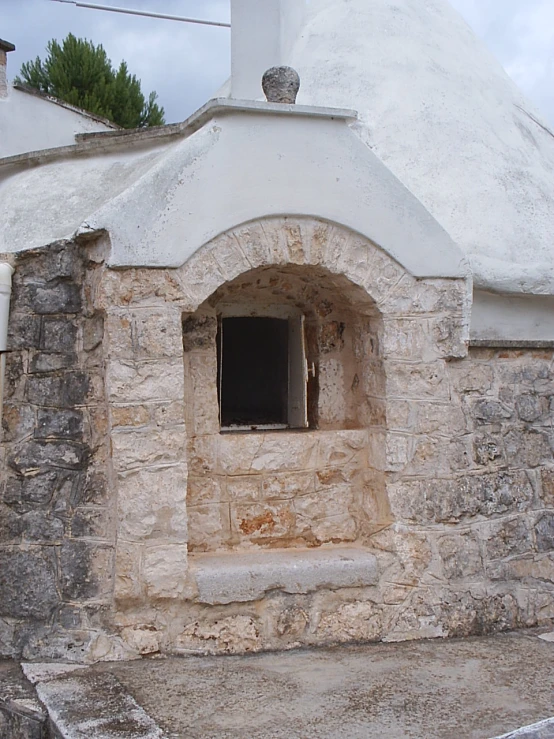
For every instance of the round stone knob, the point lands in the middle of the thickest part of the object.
(281, 85)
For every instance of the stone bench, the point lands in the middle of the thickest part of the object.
(246, 576)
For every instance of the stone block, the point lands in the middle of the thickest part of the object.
(59, 424)
(419, 381)
(356, 621)
(453, 500)
(199, 332)
(202, 454)
(340, 448)
(263, 521)
(169, 414)
(59, 392)
(93, 332)
(232, 635)
(36, 568)
(544, 532)
(530, 407)
(446, 419)
(91, 523)
(42, 455)
(222, 579)
(240, 454)
(285, 486)
(461, 556)
(42, 526)
(24, 331)
(18, 421)
(54, 297)
(202, 372)
(134, 382)
(527, 448)
(205, 489)
(86, 570)
(507, 538)
(59, 335)
(148, 447)
(488, 448)
(25, 493)
(128, 560)
(407, 338)
(158, 333)
(42, 362)
(11, 525)
(471, 377)
(151, 504)
(130, 415)
(209, 527)
(331, 500)
(165, 571)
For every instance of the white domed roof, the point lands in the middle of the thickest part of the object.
(446, 119)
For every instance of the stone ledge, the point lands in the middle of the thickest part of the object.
(233, 577)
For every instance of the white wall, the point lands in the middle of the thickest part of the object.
(29, 123)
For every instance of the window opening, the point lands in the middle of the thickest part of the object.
(262, 372)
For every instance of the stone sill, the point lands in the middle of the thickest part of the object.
(241, 577)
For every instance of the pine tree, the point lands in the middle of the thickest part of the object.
(81, 74)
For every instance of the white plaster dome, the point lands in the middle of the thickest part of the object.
(443, 115)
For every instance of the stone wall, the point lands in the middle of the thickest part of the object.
(443, 477)
(56, 524)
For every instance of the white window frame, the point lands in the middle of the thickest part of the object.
(297, 411)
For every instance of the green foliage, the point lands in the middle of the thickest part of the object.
(81, 74)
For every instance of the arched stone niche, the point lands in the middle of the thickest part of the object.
(288, 487)
(171, 462)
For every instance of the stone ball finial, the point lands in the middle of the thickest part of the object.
(281, 85)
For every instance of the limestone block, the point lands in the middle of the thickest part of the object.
(151, 504)
(411, 296)
(407, 338)
(286, 486)
(419, 381)
(451, 336)
(128, 559)
(202, 454)
(209, 527)
(157, 333)
(207, 489)
(334, 529)
(231, 635)
(229, 257)
(148, 447)
(488, 448)
(529, 567)
(401, 415)
(331, 500)
(450, 501)
(357, 621)
(144, 287)
(246, 488)
(130, 415)
(142, 639)
(339, 448)
(202, 370)
(139, 382)
(461, 556)
(446, 419)
(168, 414)
(262, 521)
(241, 454)
(119, 334)
(164, 571)
(469, 376)
(331, 408)
(199, 277)
(531, 407)
(400, 450)
(222, 579)
(413, 554)
(508, 538)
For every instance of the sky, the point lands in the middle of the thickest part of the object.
(186, 64)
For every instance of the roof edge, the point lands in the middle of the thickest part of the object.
(74, 108)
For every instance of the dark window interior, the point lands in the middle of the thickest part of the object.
(253, 369)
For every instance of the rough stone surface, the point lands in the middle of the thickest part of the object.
(244, 577)
(281, 85)
(434, 459)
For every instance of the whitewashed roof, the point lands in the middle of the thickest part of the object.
(442, 114)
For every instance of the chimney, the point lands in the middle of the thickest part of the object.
(5, 47)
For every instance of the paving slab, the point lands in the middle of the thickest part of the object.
(474, 688)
